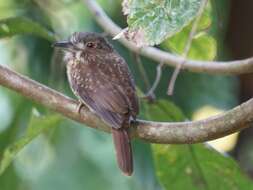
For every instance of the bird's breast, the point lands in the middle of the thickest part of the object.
(74, 75)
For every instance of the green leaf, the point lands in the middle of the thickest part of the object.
(191, 167)
(206, 18)
(197, 167)
(203, 46)
(21, 25)
(151, 22)
(161, 110)
(36, 126)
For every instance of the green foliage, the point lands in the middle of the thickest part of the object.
(203, 45)
(196, 167)
(192, 166)
(76, 157)
(21, 25)
(194, 91)
(36, 126)
(144, 167)
(151, 22)
(161, 110)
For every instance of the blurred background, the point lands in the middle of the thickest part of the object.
(68, 155)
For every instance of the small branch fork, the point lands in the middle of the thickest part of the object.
(154, 132)
(151, 96)
(142, 70)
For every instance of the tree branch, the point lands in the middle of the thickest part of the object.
(212, 67)
(156, 132)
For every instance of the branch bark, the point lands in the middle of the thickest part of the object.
(156, 132)
(211, 67)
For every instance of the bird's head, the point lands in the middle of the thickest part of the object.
(84, 43)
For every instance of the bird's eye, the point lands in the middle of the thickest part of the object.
(90, 45)
(99, 46)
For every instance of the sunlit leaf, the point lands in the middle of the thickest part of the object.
(206, 18)
(151, 22)
(21, 25)
(203, 45)
(196, 167)
(36, 126)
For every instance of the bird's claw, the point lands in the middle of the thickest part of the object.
(79, 107)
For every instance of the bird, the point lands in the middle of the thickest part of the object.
(101, 80)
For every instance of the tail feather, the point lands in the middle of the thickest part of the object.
(123, 150)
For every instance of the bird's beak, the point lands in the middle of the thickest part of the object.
(63, 45)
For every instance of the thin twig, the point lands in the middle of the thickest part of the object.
(187, 47)
(151, 96)
(142, 70)
(211, 67)
(151, 91)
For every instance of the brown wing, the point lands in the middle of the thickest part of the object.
(111, 107)
(116, 71)
(108, 89)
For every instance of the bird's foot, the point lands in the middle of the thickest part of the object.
(79, 107)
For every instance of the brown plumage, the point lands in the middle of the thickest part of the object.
(101, 79)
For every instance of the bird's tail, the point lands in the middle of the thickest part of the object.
(123, 149)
